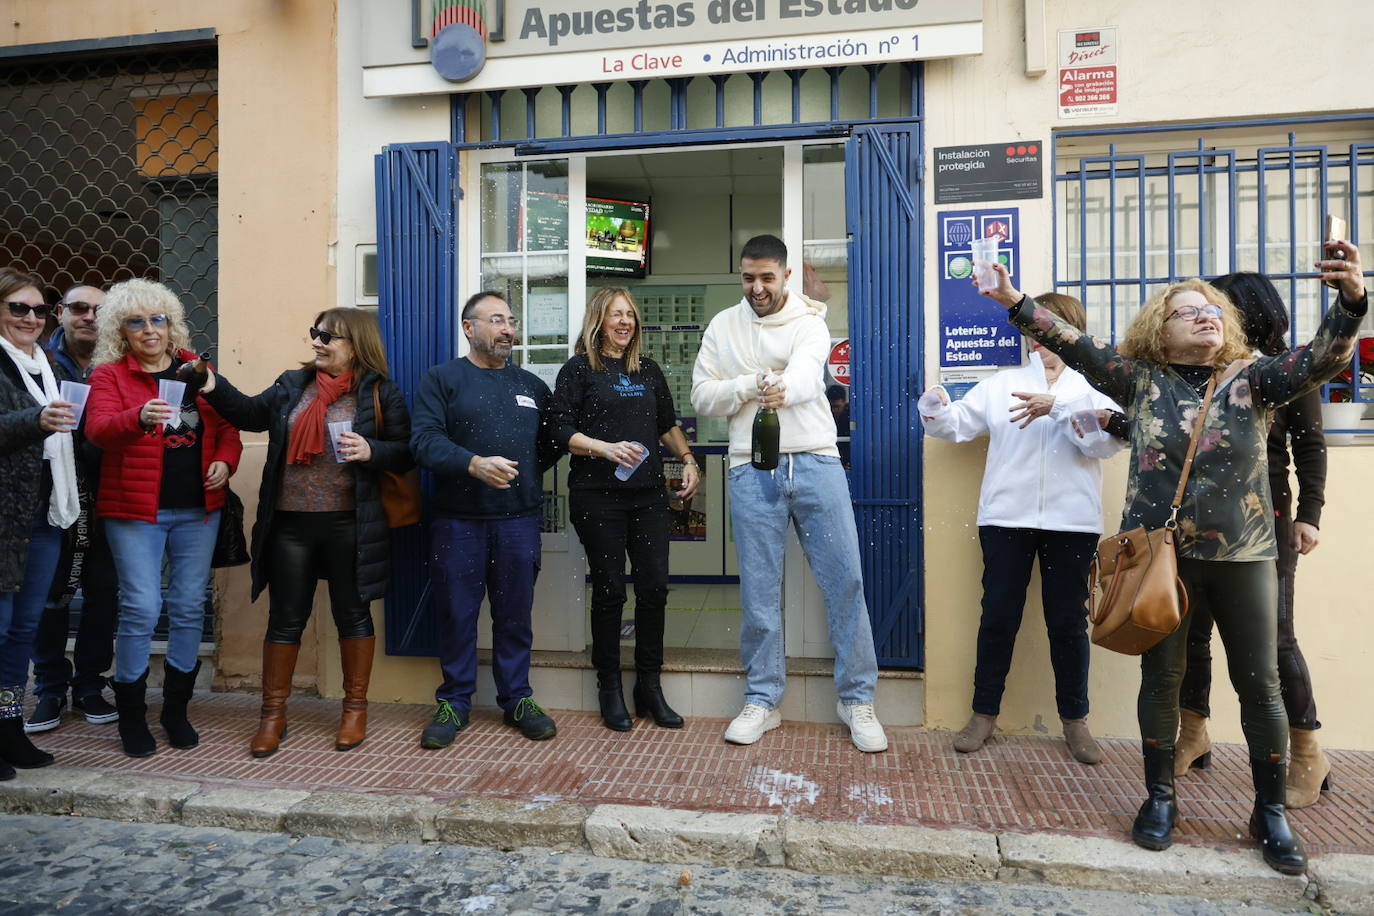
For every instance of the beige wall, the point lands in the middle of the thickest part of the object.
(1175, 65)
(277, 154)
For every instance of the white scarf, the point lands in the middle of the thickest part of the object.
(64, 505)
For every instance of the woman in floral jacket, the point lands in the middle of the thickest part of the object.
(1181, 338)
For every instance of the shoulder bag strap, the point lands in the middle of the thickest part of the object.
(377, 409)
(1172, 523)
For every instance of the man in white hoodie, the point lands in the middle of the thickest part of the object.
(769, 350)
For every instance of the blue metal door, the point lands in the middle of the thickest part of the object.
(882, 191)
(417, 210)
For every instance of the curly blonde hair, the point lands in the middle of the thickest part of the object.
(1145, 337)
(137, 297)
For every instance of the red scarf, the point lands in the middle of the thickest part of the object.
(307, 435)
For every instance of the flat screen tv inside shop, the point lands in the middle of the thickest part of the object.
(616, 233)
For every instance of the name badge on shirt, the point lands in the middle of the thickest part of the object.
(524, 400)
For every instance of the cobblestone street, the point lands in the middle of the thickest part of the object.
(82, 865)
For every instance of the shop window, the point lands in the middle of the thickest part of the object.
(1135, 211)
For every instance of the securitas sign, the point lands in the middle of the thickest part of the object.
(497, 44)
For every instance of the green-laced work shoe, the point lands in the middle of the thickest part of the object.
(530, 718)
(445, 724)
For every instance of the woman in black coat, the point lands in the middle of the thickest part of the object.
(320, 514)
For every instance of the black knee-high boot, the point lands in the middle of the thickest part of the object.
(1282, 849)
(1154, 823)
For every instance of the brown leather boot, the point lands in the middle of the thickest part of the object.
(278, 664)
(356, 655)
(1080, 741)
(1309, 772)
(973, 735)
(1194, 748)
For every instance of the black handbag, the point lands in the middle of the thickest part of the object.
(231, 547)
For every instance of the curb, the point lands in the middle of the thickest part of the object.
(1340, 882)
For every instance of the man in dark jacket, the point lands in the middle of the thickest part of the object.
(481, 425)
(86, 562)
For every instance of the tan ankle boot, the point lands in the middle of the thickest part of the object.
(975, 734)
(1309, 771)
(356, 656)
(1194, 748)
(1080, 741)
(278, 664)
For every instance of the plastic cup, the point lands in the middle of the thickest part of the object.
(172, 392)
(929, 402)
(984, 256)
(622, 472)
(75, 394)
(1085, 422)
(336, 430)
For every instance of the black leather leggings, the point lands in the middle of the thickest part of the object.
(303, 548)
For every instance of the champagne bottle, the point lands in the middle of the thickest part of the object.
(195, 375)
(766, 436)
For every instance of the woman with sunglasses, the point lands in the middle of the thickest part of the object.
(38, 466)
(320, 513)
(1188, 342)
(162, 480)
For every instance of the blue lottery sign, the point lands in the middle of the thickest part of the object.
(973, 329)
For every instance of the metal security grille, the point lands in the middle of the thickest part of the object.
(109, 170)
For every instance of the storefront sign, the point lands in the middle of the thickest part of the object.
(996, 171)
(427, 46)
(973, 328)
(838, 363)
(1087, 72)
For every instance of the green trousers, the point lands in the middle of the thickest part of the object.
(1243, 598)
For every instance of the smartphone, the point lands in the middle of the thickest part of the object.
(1335, 229)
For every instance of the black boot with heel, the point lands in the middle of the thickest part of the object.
(611, 696)
(650, 702)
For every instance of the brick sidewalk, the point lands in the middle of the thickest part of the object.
(1017, 783)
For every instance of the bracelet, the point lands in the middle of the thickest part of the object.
(686, 458)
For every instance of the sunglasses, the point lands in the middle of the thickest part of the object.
(139, 322)
(22, 309)
(80, 309)
(325, 337)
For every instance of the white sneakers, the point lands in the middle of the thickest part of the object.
(751, 723)
(864, 728)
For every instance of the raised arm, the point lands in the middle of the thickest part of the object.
(961, 420)
(254, 413)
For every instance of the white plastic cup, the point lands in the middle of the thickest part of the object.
(172, 392)
(984, 256)
(74, 393)
(930, 402)
(1085, 423)
(622, 472)
(336, 430)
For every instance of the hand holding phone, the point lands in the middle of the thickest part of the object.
(1335, 230)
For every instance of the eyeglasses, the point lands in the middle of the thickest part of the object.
(499, 321)
(325, 337)
(1194, 312)
(138, 322)
(80, 309)
(22, 309)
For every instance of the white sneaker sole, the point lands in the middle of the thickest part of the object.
(101, 719)
(770, 722)
(33, 728)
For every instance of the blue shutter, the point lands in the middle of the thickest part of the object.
(417, 210)
(883, 194)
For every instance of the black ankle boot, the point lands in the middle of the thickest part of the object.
(612, 699)
(177, 687)
(1154, 824)
(650, 702)
(1282, 849)
(131, 701)
(16, 749)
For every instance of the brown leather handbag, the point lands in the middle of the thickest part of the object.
(1143, 599)
(399, 492)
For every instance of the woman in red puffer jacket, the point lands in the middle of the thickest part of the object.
(162, 483)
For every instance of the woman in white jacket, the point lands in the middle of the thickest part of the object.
(1041, 496)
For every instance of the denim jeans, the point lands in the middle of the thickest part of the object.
(498, 558)
(813, 493)
(20, 611)
(187, 537)
(93, 653)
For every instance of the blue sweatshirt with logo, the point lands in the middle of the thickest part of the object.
(462, 410)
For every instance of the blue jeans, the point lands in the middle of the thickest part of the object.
(498, 558)
(20, 611)
(813, 493)
(187, 537)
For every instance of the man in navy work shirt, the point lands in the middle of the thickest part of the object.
(481, 425)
